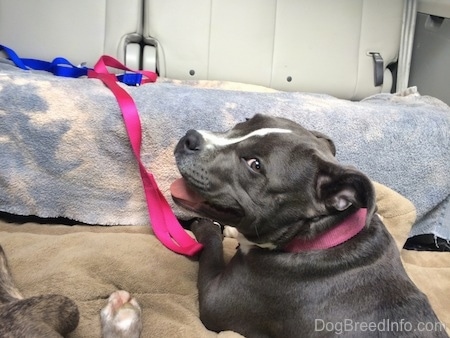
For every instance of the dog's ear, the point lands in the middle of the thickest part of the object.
(327, 140)
(340, 187)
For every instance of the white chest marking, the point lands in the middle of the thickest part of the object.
(244, 244)
(213, 140)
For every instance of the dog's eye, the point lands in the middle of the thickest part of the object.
(254, 164)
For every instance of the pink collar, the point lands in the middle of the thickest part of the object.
(339, 234)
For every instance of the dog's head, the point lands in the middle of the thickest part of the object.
(270, 178)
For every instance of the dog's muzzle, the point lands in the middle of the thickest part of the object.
(185, 154)
(194, 191)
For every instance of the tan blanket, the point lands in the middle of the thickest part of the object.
(88, 263)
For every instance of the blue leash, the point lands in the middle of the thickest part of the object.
(62, 67)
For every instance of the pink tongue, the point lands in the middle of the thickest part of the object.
(182, 192)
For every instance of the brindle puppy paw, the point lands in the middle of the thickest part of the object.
(205, 229)
(121, 317)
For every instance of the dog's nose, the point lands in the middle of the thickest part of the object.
(193, 141)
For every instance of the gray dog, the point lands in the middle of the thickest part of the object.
(51, 316)
(314, 258)
(40, 316)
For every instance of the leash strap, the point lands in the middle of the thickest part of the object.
(59, 66)
(164, 223)
(62, 67)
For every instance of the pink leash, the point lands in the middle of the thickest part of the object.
(164, 223)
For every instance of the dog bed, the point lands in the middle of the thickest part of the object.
(64, 153)
(87, 263)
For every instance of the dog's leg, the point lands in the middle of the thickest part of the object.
(121, 317)
(8, 291)
(40, 316)
(211, 261)
(211, 265)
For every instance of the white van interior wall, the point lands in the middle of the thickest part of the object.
(79, 30)
(316, 46)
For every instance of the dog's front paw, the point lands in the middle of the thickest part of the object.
(204, 228)
(121, 317)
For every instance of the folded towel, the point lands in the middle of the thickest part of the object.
(64, 150)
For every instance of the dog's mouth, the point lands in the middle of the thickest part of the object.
(188, 198)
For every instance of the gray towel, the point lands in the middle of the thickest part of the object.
(64, 150)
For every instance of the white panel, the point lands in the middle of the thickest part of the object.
(380, 19)
(123, 24)
(241, 42)
(181, 30)
(316, 45)
(297, 45)
(80, 30)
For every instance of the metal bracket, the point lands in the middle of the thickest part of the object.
(378, 67)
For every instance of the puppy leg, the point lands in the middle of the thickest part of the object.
(40, 316)
(121, 317)
(8, 291)
(211, 261)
